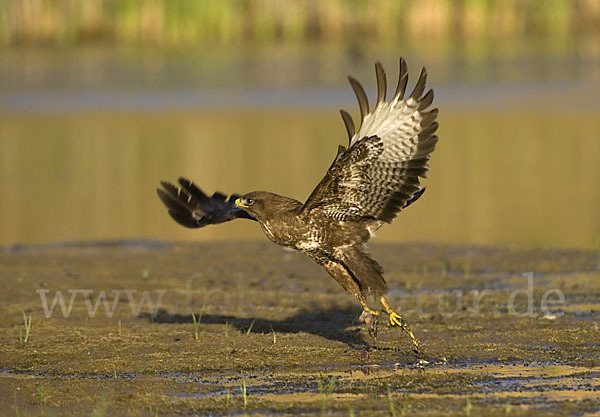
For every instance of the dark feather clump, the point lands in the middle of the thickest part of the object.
(190, 207)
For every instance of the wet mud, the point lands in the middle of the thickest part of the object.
(246, 328)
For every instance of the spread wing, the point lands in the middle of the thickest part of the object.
(190, 207)
(379, 173)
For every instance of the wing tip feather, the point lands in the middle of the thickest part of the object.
(349, 123)
(361, 96)
(381, 82)
(402, 80)
(420, 85)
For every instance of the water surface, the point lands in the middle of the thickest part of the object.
(87, 134)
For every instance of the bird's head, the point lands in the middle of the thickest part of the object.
(253, 203)
(262, 205)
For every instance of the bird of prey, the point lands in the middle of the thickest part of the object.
(369, 182)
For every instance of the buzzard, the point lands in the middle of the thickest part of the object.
(369, 182)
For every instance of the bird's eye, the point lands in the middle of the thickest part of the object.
(249, 201)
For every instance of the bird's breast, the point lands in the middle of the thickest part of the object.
(268, 231)
(284, 231)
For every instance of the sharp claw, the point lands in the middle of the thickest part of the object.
(396, 320)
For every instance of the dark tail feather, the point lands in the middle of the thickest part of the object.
(178, 203)
(196, 193)
(190, 207)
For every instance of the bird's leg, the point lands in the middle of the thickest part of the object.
(397, 320)
(369, 317)
(367, 309)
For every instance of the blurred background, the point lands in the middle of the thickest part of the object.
(101, 99)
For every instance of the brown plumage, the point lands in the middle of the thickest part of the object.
(368, 183)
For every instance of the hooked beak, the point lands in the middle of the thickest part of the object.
(239, 203)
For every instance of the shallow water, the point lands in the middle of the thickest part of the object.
(507, 178)
(87, 134)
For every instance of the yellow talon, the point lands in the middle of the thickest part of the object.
(397, 320)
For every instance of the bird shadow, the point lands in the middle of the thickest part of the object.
(336, 324)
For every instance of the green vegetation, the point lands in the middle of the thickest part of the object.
(468, 407)
(197, 323)
(25, 331)
(250, 328)
(188, 21)
(16, 406)
(227, 397)
(325, 391)
(146, 273)
(244, 391)
(154, 411)
(391, 401)
(43, 394)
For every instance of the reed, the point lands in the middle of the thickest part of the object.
(173, 22)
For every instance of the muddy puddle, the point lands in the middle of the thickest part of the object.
(146, 328)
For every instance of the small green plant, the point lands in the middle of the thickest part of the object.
(391, 401)
(146, 273)
(350, 411)
(16, 404)
(250, 327)
(404, 409)
(244, 391)
(84, 329)
(197, 323)
(274, 335)
(326, 391)
(468, 407)
(227, 397)
(507, 407)
(25, 331)
(43, 394)
(154, 411)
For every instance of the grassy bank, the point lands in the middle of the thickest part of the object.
(186, 21)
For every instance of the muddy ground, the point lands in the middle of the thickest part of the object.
(277, 336)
